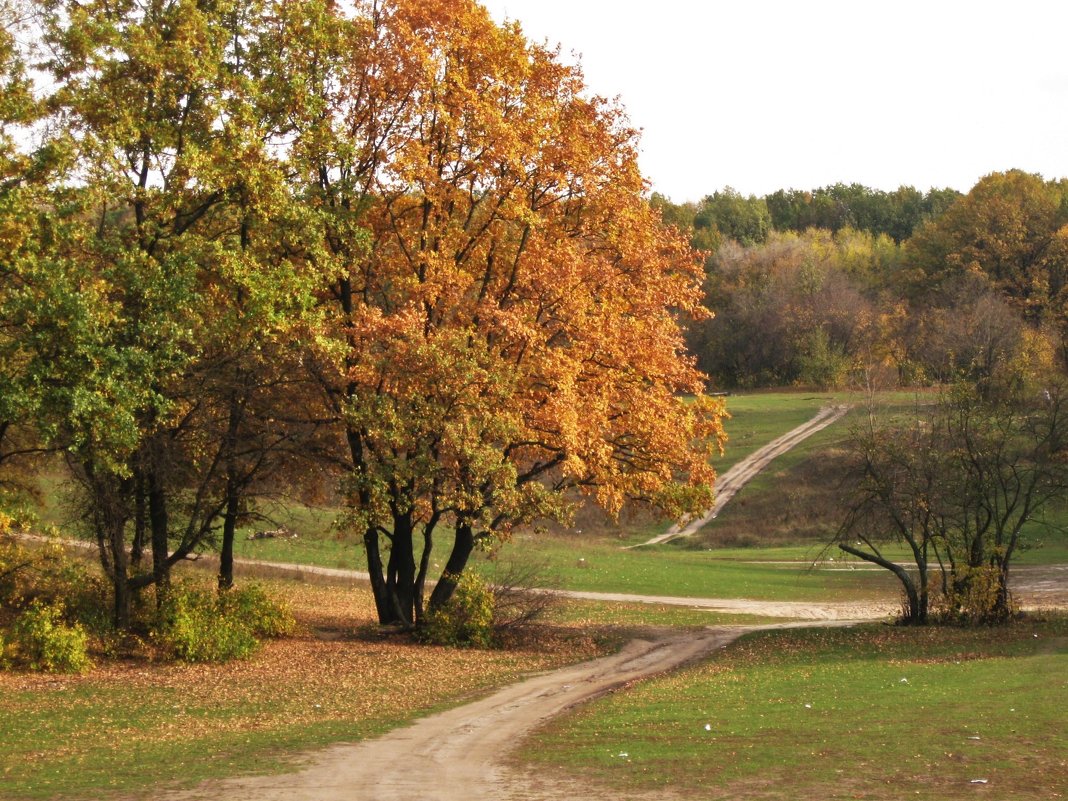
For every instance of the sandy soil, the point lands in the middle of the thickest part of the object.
(795, 610)
(740, 474)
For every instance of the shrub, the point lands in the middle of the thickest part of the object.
(263, 615)
(41, 640)
(972, 597)
(42, 572)
(201, 625)
(517, 607)
(192, 626)
(466, 619)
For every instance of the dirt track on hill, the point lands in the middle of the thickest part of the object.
(741, 473)
(462, 754)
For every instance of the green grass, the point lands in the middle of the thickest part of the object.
(674, 571)
(874, 712)
(758, 418)
(34, 720)
(765, 512)
(38, 720)
(799, 497)
(318, 542)
(608, 613)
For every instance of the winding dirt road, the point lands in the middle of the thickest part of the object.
(461, 754)
(740, 474)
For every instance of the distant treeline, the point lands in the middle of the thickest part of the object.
(822, 287)
(727, 214)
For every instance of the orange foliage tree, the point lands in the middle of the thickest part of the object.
(500, 331)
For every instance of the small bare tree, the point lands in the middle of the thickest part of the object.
(958, 482)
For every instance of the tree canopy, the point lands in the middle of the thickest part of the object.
(396, 245)
(509, 331)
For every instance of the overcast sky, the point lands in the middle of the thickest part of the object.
(768, 94)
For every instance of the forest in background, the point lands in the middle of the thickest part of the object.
(838, 284)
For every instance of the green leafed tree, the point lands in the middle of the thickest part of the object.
(159, 310)
(744, 220)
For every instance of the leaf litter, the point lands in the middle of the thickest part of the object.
(338, 669)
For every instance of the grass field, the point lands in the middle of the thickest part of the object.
(758, 418)
(784, 514)
(772, 509)
(668, 570)
(874, 712)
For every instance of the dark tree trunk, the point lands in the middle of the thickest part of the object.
(1003, 601)
(462, 547)
(233, 495)
(108, 496)
(917, 602)
(226, 552)
(374, 568)
(121, 609)
(400, 571)
(113, 539)
(157, 517)
(424, 568)
(137, 550)
(379, 588)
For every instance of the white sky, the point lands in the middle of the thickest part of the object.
(768, 94)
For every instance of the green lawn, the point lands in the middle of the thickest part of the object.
(875, 712)
(675, 571)
(758, 418)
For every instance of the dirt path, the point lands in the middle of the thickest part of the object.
(794, 610)
(461, 754)
(739, 475)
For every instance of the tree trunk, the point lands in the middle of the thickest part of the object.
(400, 572)
(157, 518)
(121, 609)
(1003, 601)
(374, 568)
(233, 493)
(424, 568)
(107, 498)
(917, 603)
(462, 547)
(137, 550)
(114, 537)
(226, 552)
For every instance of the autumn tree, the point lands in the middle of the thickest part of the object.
(21, 183)
(507, 332)
(898, 491)
(795, 310)
(1011, 227)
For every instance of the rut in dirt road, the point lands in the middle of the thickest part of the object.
(459, 755)
(740, 474)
